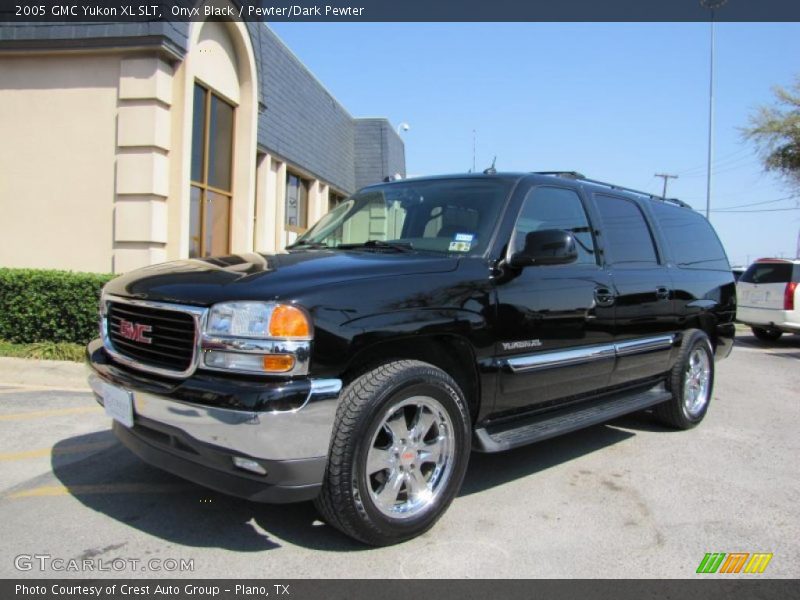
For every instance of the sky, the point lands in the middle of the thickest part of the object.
(616, 102)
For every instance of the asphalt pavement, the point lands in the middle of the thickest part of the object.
(625, 499)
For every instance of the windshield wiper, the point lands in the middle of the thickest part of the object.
(314, 245)
(380, 245)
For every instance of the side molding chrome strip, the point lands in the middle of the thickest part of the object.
(560, 358)
(644, 345)
(574, 356)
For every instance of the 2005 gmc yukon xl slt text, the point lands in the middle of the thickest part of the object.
(416, 322)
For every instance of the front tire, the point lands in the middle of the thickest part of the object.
(399, 451)
(766, 335)
(691, 382)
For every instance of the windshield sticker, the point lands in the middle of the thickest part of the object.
(460, 246)
(464, 237)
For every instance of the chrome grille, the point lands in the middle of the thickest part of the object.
(171, 333)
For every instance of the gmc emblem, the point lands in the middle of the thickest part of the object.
(135, 331)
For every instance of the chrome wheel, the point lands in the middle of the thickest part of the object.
(697, 378)
(410, 457)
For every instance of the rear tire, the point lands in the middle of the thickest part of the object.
(766, 335)
(399, 451)
(691, 382)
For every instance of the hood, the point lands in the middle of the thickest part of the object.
(267, 276)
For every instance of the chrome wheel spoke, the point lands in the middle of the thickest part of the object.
(379, 459)
(397, 426)
(387, 496)
(432, 453)
(422, 424)
(415, 483)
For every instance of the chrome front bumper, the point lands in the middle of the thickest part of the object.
(304, 432)
(264, 440)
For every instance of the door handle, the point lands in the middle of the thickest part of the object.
(604, 296)
(662, 293)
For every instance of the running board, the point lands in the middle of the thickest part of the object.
(505, 436)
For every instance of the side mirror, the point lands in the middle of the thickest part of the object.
(546, 247)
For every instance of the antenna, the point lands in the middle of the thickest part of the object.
(473, 151)
(491, 170)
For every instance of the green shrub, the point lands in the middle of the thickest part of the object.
(49, 306)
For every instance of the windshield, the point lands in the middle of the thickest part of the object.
(448, 216)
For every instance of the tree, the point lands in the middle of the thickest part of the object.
(775, 130)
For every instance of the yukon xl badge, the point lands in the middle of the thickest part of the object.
(521, 345)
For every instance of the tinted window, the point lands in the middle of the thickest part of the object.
(627, 236)
(555, 208)
(692, 240)
(768, 273)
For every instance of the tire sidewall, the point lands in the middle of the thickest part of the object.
(394, 392)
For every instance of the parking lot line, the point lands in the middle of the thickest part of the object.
(50, 413)
(100, 488)
(40, 452)
(15, 387)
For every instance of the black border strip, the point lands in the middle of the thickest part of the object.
(77, 11)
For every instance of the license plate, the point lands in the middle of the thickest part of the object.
(118, 404)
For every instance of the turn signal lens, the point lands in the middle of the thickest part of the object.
(289, 322)
(278, 363)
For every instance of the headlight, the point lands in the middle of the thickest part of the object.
(260, 320)
(257, 337)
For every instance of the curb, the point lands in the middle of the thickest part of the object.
(56, 374)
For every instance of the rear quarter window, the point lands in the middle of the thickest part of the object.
(768, 272)
(692, 241)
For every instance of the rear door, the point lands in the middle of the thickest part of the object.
(763, 285)
(644, 319)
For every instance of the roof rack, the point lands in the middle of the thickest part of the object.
(613, 186)
(567, 174)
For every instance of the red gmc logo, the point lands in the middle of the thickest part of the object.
(135, 331)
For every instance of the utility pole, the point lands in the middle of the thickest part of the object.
(665, 176)
(711, 5)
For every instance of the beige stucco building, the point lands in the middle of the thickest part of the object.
(129, 145)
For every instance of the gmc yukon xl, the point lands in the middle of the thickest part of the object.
(418, 321)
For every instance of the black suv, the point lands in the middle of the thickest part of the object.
(418, 321)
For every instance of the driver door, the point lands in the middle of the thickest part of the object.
(554, 322)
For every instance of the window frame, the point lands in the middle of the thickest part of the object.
(204, 186)
(599, 253)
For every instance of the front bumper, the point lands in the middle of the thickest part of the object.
(195, 427)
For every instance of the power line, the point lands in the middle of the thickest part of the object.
(792, 197)
(723, 169)
(762, 210)
(728, 158)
